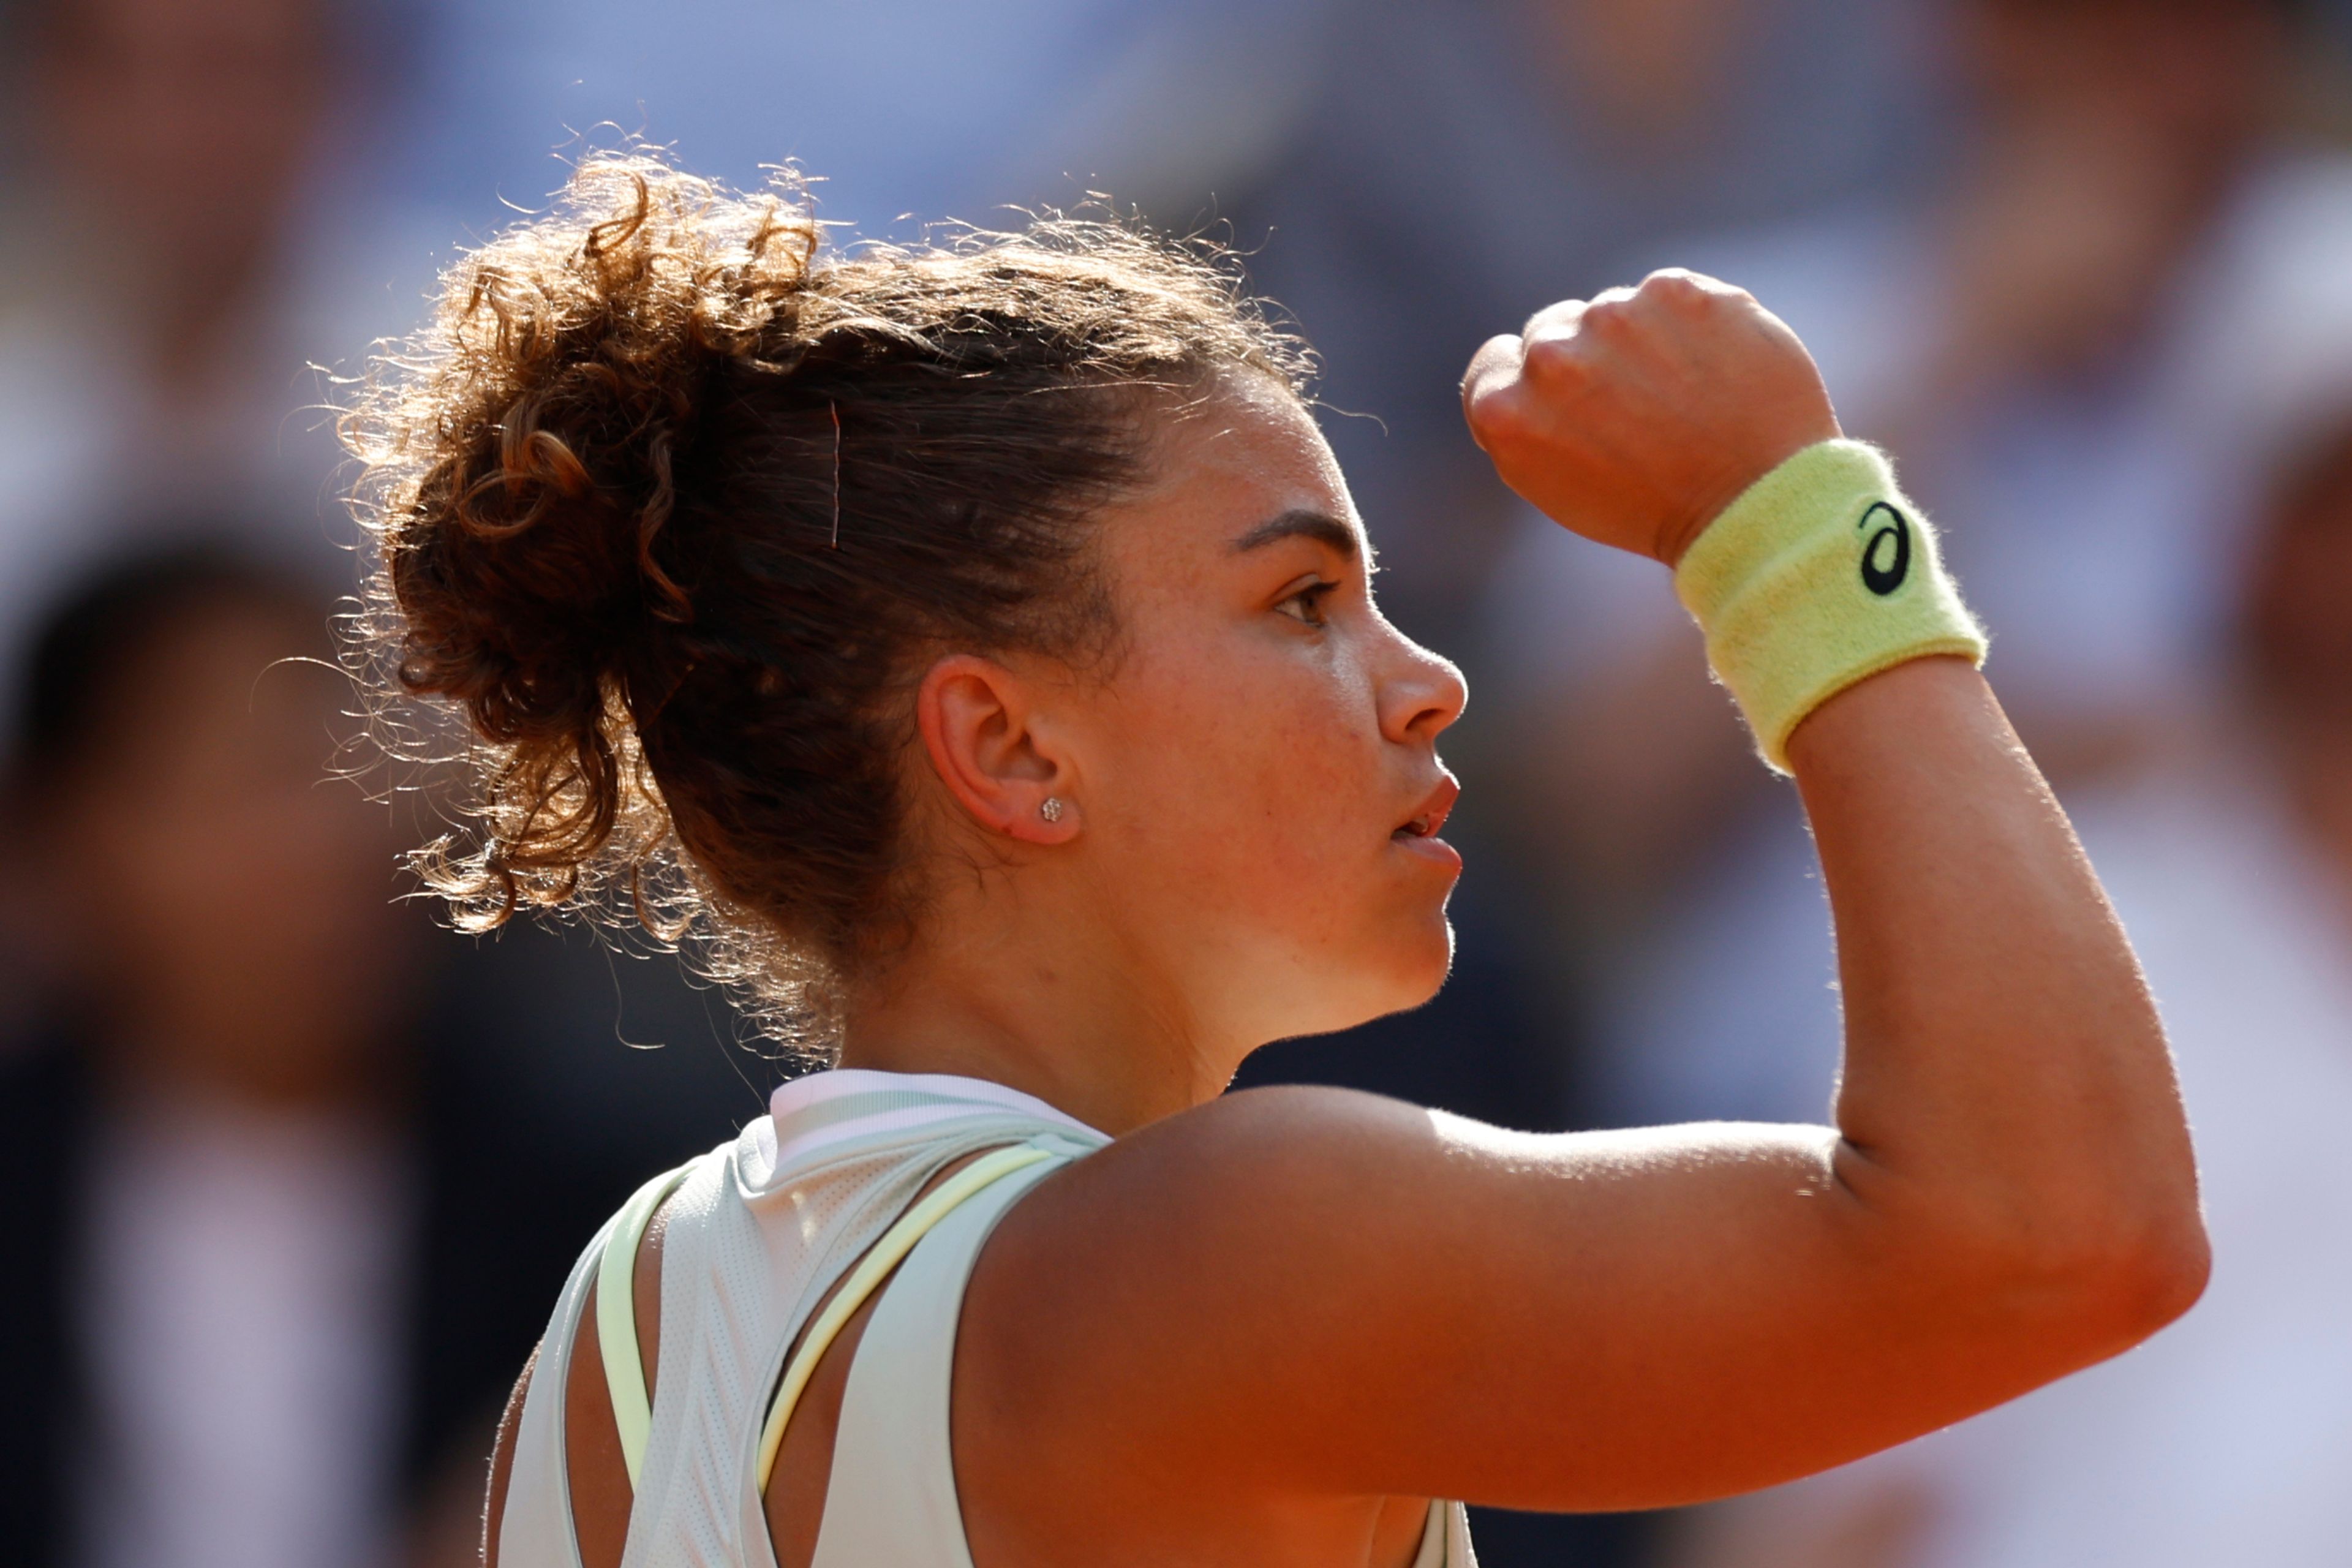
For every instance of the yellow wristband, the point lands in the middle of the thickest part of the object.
(1821, 574)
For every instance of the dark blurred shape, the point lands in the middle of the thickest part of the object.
(221, 909)
(2298, 611)
(2107, 138)
(226, 962)
(302, 1178)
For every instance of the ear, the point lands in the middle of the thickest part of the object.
(979, 726)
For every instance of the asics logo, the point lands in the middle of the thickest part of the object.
(1887, 553)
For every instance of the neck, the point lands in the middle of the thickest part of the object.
(1050, 1006)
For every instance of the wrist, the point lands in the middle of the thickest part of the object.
(1733, 479)
(1818, 576)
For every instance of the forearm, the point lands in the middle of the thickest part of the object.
(2004, 1067)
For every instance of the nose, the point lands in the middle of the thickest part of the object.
(1421, 692)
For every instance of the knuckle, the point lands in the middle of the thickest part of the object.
(1611, 320)
(1677, 289)
(1558, 317)
(1553, 356)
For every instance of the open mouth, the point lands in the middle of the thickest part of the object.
(1426, 822)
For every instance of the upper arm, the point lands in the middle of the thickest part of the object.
(1327, 1292)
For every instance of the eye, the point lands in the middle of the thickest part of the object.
(1305, 603)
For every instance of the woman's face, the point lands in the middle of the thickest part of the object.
(1258, 773)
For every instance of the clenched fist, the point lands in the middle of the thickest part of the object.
(1636, 417)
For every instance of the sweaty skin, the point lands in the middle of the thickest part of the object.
(1265, 1328)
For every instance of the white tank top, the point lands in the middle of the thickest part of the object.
(822, 1188)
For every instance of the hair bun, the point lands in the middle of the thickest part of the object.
(534, 432)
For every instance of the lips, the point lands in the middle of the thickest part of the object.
(1425, 823)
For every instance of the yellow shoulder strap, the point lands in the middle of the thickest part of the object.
(883, 1257)
(617, 1318)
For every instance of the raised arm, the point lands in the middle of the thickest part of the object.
(1302, 1293)
(2002, 1053)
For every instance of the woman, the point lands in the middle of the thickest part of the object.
(977, 649)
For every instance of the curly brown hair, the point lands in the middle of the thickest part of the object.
(670, 501)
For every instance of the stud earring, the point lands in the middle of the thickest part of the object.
(1051, 809)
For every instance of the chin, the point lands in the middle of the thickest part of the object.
(1429, 961)
(1406, 970)
(1392, 962)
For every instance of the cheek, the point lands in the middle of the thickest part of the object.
(1253, 787)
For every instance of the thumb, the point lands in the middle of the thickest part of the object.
(1494, 370)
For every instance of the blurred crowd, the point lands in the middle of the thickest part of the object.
(296, 1172)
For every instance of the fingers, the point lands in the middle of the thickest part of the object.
(1494, 391)
(1673, 332)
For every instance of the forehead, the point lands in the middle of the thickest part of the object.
(1245, 452)
(1250, 425)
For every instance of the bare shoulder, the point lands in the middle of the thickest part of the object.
(1131, 1293)
(1273, 1166)
(1259, 1165)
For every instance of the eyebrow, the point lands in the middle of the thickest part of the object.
(1297, 523)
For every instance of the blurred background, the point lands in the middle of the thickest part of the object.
(268, 1131)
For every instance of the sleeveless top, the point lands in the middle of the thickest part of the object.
(821, 1190)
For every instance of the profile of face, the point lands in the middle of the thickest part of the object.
(1253, 784)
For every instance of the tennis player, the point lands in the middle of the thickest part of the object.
(973, 651)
